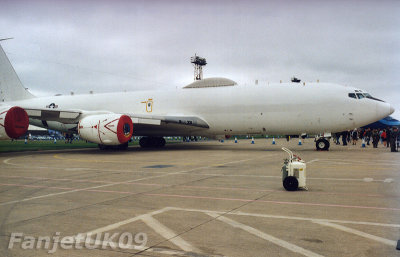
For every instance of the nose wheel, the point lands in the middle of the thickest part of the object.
(322, 144)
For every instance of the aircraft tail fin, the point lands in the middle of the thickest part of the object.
(11, 88)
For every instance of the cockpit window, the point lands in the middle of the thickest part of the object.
(352, 95)
(371, 97)
(360, 96)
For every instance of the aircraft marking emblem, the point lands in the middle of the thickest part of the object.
(149, 105)
(52, 106)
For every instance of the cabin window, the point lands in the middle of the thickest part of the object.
(352, 95)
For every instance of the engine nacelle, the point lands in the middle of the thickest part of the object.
(106, 129)
(14, 122)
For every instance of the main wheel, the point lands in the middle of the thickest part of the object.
(144, 142)
(103, 147)
(114, 147)
(123, 146)
(161, 142)
(322, 144)
(290, 183)
(154, 142)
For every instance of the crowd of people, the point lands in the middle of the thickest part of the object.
(388, 137)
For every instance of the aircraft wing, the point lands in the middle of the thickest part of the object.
(173, 119)
(63, 116)
(73, 116)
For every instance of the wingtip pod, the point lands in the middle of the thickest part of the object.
(14, 122)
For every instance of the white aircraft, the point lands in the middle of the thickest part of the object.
(213, 107)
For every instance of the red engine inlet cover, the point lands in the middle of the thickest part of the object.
(124, 129)
(16, 122)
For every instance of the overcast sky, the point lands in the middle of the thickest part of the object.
(104, 46)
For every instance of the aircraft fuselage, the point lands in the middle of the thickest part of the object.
(284, 108)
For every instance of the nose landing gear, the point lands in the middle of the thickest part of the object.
(322, 144)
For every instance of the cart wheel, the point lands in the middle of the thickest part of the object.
(290, 183)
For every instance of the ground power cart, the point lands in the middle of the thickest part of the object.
(293, 172)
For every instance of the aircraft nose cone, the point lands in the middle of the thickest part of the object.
(391, 109)
(384, 110)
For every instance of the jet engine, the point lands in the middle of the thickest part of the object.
(106, 129)
(14, 122)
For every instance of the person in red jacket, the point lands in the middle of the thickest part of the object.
(383, 136)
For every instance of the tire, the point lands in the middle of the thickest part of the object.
(102, 147)
(322, 144)
(144, 142)
(161, 142)
(290, 183)
(113, 147)
(123, 146)
(152, 142)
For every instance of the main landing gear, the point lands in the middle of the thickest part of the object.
(152, 142)
(322, 144)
